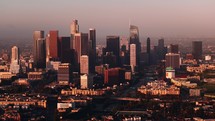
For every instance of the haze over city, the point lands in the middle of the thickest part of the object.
(107, 60)
(166, 18)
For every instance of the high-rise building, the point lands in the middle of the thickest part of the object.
(14, 66)
(86, 81)
(113, 45)
(84, 64)
(64, 74)
(133, 61)
(53, 44)
(64, 50)
(80, 45)
(15, 54)
(134, 39)
(197, 49)
(172, 60)
(173, 48)
(37, 35)
(110, 59)
(92, 49)
(148, 45)
(161, 50)
(74, 29)
(40, 58)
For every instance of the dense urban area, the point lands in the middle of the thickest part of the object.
(81, 77)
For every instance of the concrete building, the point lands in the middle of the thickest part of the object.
(86, 81)
(84, 64)
(133, 61)
(172, 60)
(64, 74)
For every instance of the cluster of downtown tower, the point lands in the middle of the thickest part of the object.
(78, 53)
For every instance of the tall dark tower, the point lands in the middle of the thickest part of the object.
(92, 49)
(148, 45)
(134, 39)
(64, 50)
(39, 49)
(161, 49)
(113, 45)
(41, 53)
(197, 49)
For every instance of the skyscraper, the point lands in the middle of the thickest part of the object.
(14, 66)
(74, 28)
(92, 49)
(148, 45)
(64, 50)
(161, 49)
(113, 45)
(36, 36)
(133, 56)
(40, 60)
(172, 60)
(80, 45)
(197, 49)
(64, 74)
(84, 64)
(15, 54)
(134, 39)
(53, 44)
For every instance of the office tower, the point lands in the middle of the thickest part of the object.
(134, 39)
(161, 50)
(53, 44)
(92, 49)
(74, 28)
(110, 59)
(133, 56)
(172, 60)
(84, 64)
(80, 45)
(14, 66)
(64, 50)
(148, 45)
(86, 81)
(124, 42)
(113, 45)
(15, 54)
(37, 35)
(197, 49)
(173, 48)
(64, 74)
(40, 58)
(114, 76)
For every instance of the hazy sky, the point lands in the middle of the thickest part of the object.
(155, 18)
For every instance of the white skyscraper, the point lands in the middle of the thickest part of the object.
(15, 54)
(133, 61)
(84, 64)
(14, 66)
(86, 81)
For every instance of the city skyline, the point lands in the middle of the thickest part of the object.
(153, 18)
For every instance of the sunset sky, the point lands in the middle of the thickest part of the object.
(155, 18)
